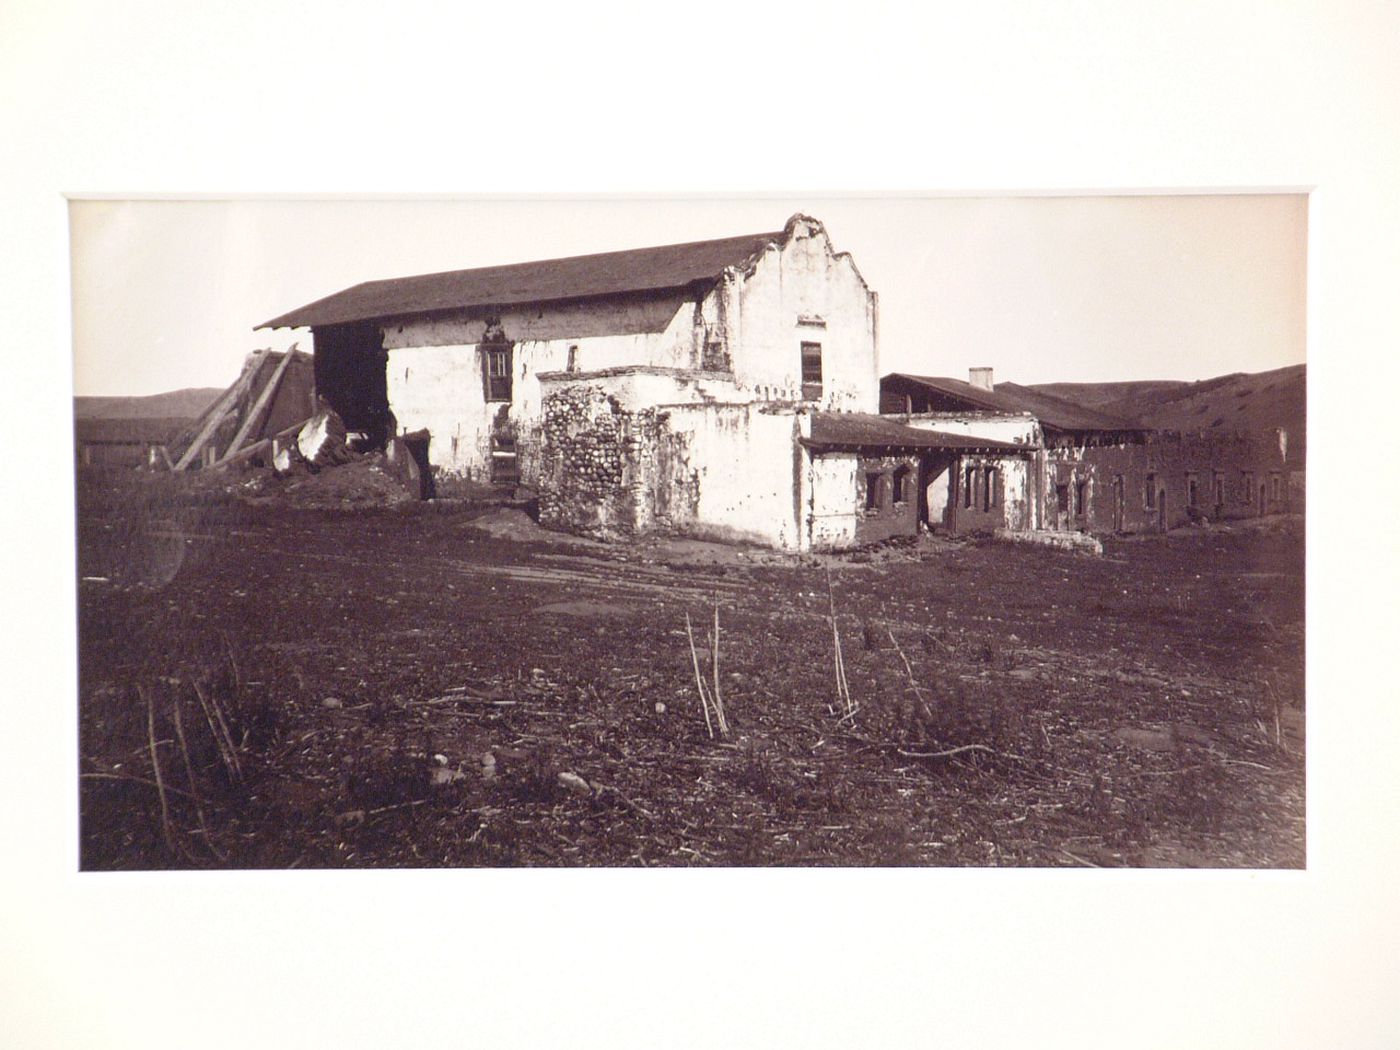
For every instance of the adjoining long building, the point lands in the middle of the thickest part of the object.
(1090, 471)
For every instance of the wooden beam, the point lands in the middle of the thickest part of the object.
(265, 445)
(268, 445)
(263, 399)
(220, 411)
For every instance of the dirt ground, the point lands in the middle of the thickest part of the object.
(428, 684)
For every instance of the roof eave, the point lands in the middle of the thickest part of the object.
(289, 320)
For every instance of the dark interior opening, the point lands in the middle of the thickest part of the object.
(417, 445)
(350, 367)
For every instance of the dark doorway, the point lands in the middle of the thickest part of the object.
(349, 365)
(417, 445)
(934, 511)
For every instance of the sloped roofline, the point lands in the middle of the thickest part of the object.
(1051, 411)
(863, 430)
(635, 270)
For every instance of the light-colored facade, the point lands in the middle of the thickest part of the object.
(669, 389)
(739, 340)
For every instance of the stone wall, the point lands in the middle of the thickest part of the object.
(595, 463)
(1236, 476)
(616, 459)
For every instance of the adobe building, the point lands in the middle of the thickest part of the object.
(724, 388)
(1085, 471)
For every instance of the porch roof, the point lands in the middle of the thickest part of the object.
(864, 432)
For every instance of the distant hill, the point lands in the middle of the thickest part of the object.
(177, 404)
(1096, 395)
(1254, 403)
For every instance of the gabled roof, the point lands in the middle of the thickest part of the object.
(576, 277)
(1051, 411)
(861, 430)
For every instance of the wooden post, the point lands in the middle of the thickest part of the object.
(263, 400)
(220, 410)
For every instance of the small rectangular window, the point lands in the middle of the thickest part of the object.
(1191, 494)
(1247, 483)
(1152, 492)
(872, 491)
(811, 371)
(498, 373)
(1274, 487)
(969, 485)
(901, 485)
(1062, 498)
(1081, 503)
(1219, 489)
(989, 488)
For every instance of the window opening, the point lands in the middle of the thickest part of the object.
(969, 484)
(1151, 491)
(901, 484)
(498, 377)
(811, 371)
(872, 491)
(1081, 490)
(989, 487)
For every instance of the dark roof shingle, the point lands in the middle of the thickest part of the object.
(577, 277)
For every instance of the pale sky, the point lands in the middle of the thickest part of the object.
(166, 293)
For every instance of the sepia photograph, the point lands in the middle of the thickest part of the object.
(612, 525)
(864, 530)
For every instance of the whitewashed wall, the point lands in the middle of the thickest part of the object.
(1014, 428)
(800, 292)
(434, 373)
(795, 292)
(746, 463)
(832, 515)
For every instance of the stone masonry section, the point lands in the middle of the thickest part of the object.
(592, 463)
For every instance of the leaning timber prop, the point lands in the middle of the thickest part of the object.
(264, 399)
(268, 447)
(216, 415)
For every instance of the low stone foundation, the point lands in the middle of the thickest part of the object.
(1069, 541)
